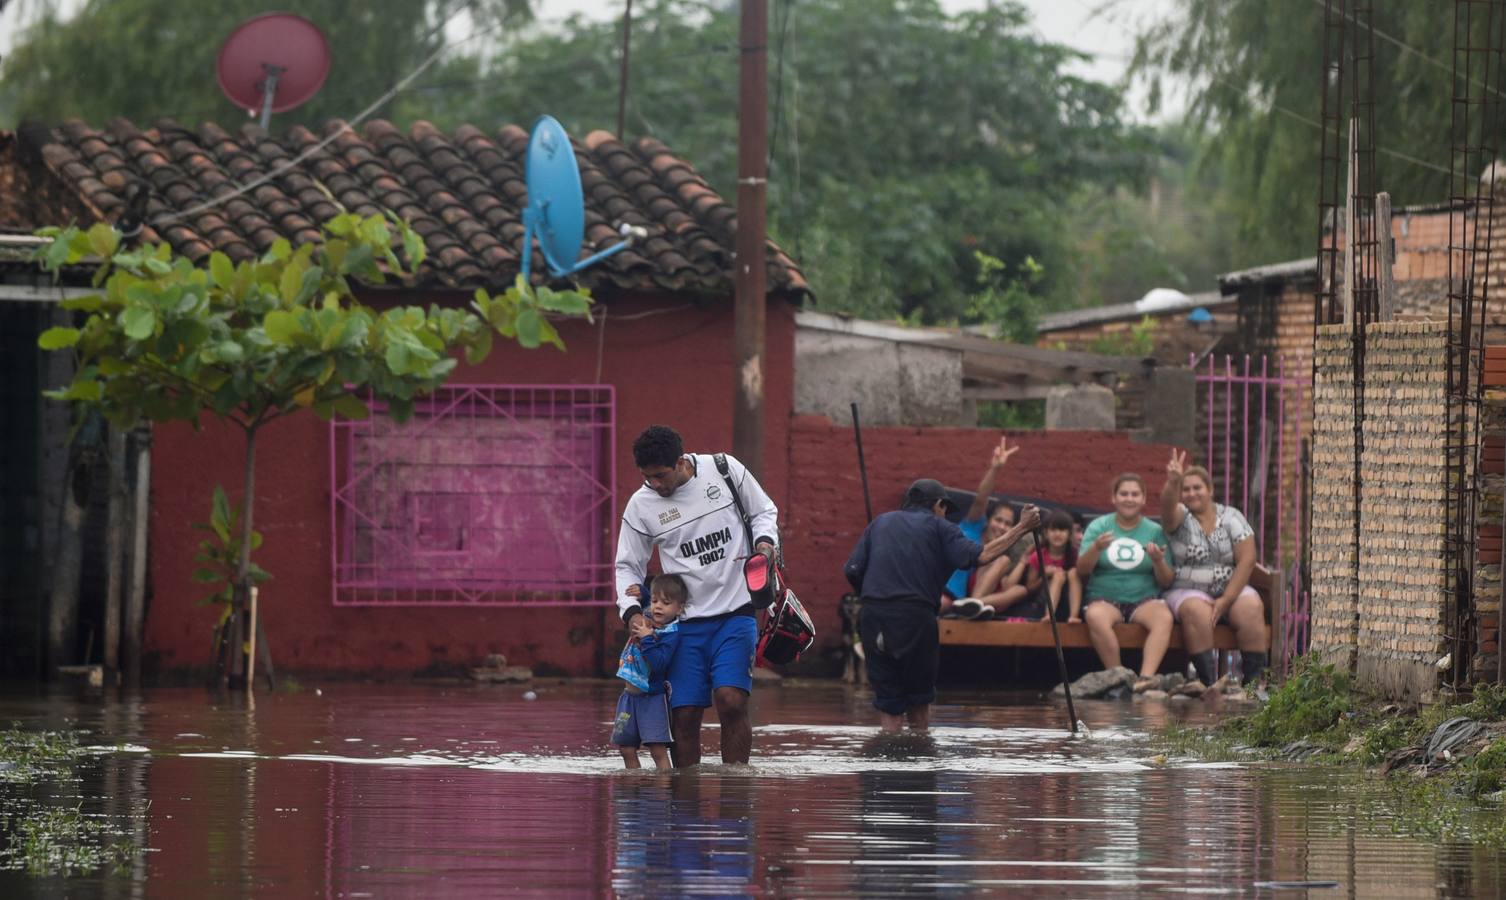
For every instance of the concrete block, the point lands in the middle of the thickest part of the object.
(1171, 406)
(1082, 407)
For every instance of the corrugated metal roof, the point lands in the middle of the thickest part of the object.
(1292, 270)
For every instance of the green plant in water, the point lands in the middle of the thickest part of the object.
(30, 754)
(1307, 706)
(1485, 772)
(49, 840)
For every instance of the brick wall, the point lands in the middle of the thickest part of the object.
(1395, 635)
(1176, 340)
(1402, 552)
(1334, 629)
(825, 515)
(1488, 553)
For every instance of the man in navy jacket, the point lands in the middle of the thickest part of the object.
(899, 567)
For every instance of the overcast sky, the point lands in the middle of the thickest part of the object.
(1104, 28)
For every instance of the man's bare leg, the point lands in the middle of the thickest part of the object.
(630, 757)
(660, 753)
(685, 724)
(737, 728)
(920, 717)
(890, 723)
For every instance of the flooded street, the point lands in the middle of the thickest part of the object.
(462, 791)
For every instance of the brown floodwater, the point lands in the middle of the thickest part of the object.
(474, 791)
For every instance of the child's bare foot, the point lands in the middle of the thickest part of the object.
(1146, 682)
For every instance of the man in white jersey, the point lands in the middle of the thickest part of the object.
(687, 512)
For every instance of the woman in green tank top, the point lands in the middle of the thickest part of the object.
(1125, 561)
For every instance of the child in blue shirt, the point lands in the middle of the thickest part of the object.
(643, 709)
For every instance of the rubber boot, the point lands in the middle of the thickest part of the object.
(1252, 666)
(1206, 664)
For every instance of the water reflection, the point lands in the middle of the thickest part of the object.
(681, 834)
(460, 792)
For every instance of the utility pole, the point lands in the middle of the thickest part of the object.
(752, 194)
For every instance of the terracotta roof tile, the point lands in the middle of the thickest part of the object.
(462, 192)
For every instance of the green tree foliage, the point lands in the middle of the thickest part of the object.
(146, 59)
(1177, 232)
(249, 343)
(1253, 67)
(903, 139)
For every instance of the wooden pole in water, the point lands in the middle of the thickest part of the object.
(251, 651)
(135, 616)
(115, 548)
(1056, 638)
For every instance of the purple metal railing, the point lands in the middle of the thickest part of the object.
(1247, 463)
(488, 495)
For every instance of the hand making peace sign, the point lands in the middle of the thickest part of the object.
(1177, 464)
(1003, 452)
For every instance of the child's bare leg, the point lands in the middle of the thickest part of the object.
(1074, 596)
(1054, 593)
(630, 757)
(1005, 598)
(660, 754)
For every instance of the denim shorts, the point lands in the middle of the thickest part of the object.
(641, 719)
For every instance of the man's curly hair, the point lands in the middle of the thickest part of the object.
(658, 445)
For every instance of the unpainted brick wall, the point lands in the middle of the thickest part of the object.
(1396, 633)
(1403, 557)
(825, 515)
(1487, 585)
(1334, 626)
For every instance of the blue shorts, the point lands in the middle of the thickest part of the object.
(712, 653)
(641, 719)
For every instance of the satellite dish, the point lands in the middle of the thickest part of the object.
(556, 211)
(273, 63)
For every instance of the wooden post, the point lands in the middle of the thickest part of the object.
(68, 565)
(135, 618)
(1386, 284)
(251, 640)
(751, 299)
(1277, 662)
(1349, 231)
(115, 542)
(622, 77)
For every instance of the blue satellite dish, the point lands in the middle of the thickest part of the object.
(556, 211)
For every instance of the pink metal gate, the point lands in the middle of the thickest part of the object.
(1249, 408)
(489, 495)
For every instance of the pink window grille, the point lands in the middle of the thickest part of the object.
(489, 495)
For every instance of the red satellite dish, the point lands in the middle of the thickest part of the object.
(273, 63)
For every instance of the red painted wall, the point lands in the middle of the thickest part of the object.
(673, 366)
(825, 516)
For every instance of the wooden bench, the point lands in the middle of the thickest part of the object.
(966, 633)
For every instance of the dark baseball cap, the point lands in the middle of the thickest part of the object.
(925, 492)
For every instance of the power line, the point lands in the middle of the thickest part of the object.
(345, 126)
(1318, 125)
(1397, 42)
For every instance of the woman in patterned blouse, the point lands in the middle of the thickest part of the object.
(1214, 549)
